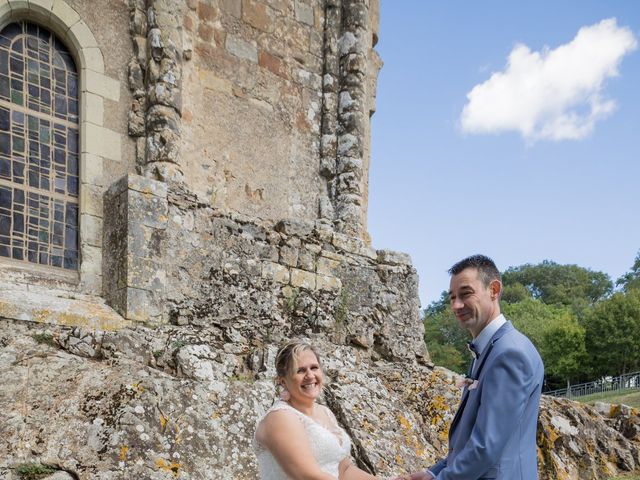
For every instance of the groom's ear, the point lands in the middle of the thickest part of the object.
(495, 287)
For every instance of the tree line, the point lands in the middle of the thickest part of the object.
(584, 325)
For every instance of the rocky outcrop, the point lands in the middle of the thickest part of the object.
(181, 402)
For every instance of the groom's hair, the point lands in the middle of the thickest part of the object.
(287, 357)
(487, 270)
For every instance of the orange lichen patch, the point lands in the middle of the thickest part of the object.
(410, 438)
(406, 424)
(444, 433)
(123, 452)
(173, 467)
(614, 411)
(138, 387)
(41, 315)
(163, 421)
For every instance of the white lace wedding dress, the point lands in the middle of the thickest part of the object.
(329, 446)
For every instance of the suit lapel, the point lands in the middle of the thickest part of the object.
(483, 359)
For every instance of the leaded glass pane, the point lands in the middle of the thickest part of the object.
(39, 177)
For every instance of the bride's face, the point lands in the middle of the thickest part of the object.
(305, 382)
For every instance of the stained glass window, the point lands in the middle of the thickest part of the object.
(38, 148)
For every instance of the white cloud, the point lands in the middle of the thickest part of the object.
(552, 94)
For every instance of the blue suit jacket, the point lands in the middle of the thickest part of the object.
(493, 434)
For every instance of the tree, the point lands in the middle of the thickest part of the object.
(631, 279)
(613, 334)
(446, 341)
(564, 352)
(533, 317)
(567, 285)
(557, 335)
(515, 293)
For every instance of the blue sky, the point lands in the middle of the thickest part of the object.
(545, 164)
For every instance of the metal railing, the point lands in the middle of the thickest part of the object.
(628, 381)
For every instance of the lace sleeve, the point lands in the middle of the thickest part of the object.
(331, 422)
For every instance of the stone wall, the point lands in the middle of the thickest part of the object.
(268, 112)
(260, 107)
(177, 260)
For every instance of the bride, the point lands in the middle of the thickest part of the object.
(298, 438)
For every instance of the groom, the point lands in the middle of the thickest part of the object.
(493, 434)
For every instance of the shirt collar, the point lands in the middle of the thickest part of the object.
(482, 340)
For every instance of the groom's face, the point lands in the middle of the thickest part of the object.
(472, 302)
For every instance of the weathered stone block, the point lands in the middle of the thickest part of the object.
(306, 260)
(102, 142)
(213, 82)
(327, 266)
(41, 6)
(233, 7)
(83, 34)
(257, 15)
(91, 200)
(390, 257)
(275, 271)
(143, 305)
(64, 13)
(273, 63)
(91, 229)
(135, 218)
(239, 47)
(91, 169)
(206, 12)
(294, 227)
(289, 256)
(328, 283)
(146, 274)
(101, 84)
(93, 108)
(303, 279)
(304, 13)
(346, 243)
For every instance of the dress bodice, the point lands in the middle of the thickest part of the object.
(328, 446)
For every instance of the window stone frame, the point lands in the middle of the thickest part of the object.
(96, 142)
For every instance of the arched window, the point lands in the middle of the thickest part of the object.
(38, 148)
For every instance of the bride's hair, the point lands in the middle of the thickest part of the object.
(287, 357)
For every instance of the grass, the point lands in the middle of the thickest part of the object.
(628, 397)
(33, 471)
(630, 476)
(45, 338)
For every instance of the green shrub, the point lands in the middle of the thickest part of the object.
(33, 471)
